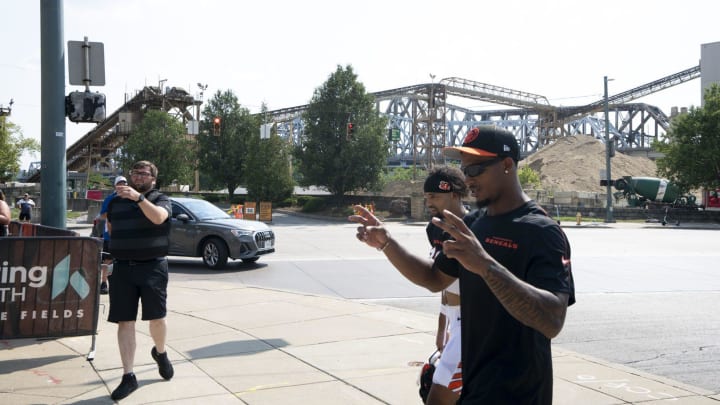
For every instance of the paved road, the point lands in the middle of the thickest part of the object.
(648, 296)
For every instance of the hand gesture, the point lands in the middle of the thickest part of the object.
(463, 246)
(371, 230)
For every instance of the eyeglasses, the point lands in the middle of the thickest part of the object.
(479, 168)
(140, 174)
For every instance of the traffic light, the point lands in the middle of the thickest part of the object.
(350, 130)
(216, 126)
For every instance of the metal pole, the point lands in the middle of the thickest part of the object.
(609, 206)
(431, 122)
(53, 181)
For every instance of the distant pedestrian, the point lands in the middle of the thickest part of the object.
(139, 227)
(107, 259)
(26, 205)
(5, 215)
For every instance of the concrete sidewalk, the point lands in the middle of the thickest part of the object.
(249, 345)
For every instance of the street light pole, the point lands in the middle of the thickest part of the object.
(431, 123)
(608, 176)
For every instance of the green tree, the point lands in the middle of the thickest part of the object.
(163, 140)
(692, 154)
(328, 156)
(268, 168)
(222, 156)
(12, 146)
(529, 177)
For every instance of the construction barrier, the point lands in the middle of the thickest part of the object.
(49, 283)
(237, 211)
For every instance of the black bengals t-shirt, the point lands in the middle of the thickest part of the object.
(504, 361)
(436, 236)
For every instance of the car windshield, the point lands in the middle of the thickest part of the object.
(203, 210)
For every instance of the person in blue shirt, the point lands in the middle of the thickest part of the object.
(107, 259)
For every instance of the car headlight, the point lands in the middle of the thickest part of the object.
(241, 232)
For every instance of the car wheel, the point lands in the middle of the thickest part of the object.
(251, 259)
(214, 253)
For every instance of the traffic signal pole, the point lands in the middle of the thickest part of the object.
(53, 181)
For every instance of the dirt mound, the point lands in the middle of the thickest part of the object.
(574, 163)
(569, 164)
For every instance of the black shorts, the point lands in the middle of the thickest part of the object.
(25, 215)
(132, 281)
(106, 256)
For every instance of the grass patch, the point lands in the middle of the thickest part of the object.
(75, 214)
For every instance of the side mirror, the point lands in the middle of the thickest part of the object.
(183, 217)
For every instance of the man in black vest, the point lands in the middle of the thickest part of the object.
(138, 221)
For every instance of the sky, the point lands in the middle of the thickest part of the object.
(279, 51)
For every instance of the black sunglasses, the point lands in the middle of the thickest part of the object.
(479, 168)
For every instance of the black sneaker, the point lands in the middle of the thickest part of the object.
(103, 288)
(164, 365)
(126, 387)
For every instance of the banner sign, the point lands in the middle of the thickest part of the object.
(250, 210)
(96, 195)
(49, 286)
(265, 211)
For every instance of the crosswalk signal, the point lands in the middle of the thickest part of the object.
(350, 130)
(216, 126)
(84, 106)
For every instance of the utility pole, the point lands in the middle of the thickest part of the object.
(197, 103)
(609, 206)
(431, 123)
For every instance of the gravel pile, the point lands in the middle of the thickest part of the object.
(574, 163)
(569, 164)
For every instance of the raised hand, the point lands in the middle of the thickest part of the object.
(371, 230)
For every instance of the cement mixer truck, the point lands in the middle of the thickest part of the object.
(652, 191)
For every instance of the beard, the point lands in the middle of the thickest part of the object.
(143, 188)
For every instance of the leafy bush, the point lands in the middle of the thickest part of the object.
(344, 211)
(529, 177)
(403, 174)
(213, 198)
(314, 204)
(301, 200)
(288, 202)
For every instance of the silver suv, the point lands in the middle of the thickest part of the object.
(200, 229)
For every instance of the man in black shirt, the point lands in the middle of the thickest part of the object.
(26, 205)
(138, 222)
(444, 189)
(514, 269)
